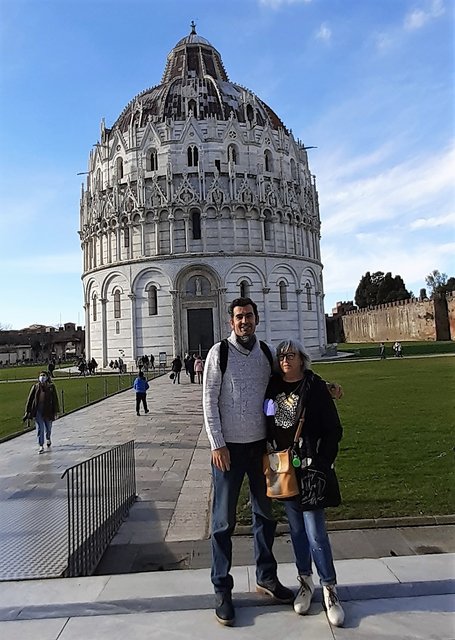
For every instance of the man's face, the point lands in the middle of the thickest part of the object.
(243, 321)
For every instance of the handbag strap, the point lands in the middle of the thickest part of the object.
(308, 379)
(299, 427)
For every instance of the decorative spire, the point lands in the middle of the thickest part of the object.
(193, 28)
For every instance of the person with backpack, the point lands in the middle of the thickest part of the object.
(235, 425)
(42, 406)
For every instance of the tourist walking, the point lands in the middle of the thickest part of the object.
(190, 368)
(235, 425)
(198, 368)
(176, 368)
(296, 389)
(42, 406)
(141, 386)
(382, 351)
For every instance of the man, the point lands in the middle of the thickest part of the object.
(235, 425)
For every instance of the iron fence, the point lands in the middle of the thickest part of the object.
(100, 493)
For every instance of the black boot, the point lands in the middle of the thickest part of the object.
(224, 611)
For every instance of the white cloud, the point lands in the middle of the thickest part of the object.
(398, 192)
(434, 221)
(417, 18)
(324, 33)
(277, 4)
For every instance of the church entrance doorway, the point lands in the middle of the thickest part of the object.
(200, 331)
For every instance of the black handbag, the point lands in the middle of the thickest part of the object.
(319, 486)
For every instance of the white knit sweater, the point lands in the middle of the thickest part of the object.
(233, 403)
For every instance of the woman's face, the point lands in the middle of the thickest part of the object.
(291, 363)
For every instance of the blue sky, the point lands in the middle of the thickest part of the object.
(369, 82)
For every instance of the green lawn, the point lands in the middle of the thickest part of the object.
(396, 456)
(30, 372)
(371, 349)
(72, 392)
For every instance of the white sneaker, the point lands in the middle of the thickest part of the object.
(304, 595)
(48, 442)
(332, 606)
(41, 450)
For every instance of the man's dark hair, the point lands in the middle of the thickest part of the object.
(243, 302)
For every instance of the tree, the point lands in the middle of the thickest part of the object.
(5, 327)
(438, 283)
(378, 288)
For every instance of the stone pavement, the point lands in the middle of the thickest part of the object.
(396, 581)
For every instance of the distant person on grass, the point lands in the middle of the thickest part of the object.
(141, 386)
(42, 405)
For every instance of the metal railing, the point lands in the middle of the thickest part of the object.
(100, 493)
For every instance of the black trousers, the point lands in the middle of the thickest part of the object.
(141, 397)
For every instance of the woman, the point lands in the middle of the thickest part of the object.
(323, 429)
(198, 368)
(42, 405)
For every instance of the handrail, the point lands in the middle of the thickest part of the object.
(100, 492)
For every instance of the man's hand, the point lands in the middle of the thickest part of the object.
(221, 459)
(335, 390)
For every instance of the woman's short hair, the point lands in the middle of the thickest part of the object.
(291, 344)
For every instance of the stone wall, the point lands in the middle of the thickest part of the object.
(413, 319)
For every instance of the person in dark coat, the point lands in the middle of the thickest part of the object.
(322, 431)
(190, 368)
(176, 368)
(42, 405)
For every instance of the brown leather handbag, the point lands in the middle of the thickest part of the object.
(280, 475)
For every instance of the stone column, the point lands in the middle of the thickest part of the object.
(143, 237)
(222, 314)
(119, 243)
(268, 328)
(298, 293)
(186, 218)
(157, 234)
(285, 230)
(104, 355)
(261, 224)
(87, 330)
(176, 337)
(171, 233)
(132, 298)
(204, 231)
(321, 332)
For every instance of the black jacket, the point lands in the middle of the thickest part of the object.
(322, 430)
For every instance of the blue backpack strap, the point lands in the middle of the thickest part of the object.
(267, 353)
(224, 350)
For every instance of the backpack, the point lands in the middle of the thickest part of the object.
(224, 351)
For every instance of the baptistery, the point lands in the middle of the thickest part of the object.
(196, 195)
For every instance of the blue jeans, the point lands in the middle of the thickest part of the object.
(42, 426)
(245, 459)
(310, 540)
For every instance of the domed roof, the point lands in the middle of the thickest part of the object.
(195, 79)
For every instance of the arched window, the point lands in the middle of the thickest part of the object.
(193, 156)
(283, 294)
(152, 160)
(152, 301)
(117, 305)
(232, 154)
(94, 309)
(308, 296)
(267, 227)
(250, 113)
(244, 289)
(293, 169)
(196, 224)
(119, 168)
(268, 161)
(117, 327)
(192, 107)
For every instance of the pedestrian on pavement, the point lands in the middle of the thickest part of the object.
(186, 360)
(152, 361)
(293, 390)
(176, 368)
(235, 424)
(190, 368)
(382, 351)
(141, 386)
(42, 405)
(198, 368)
